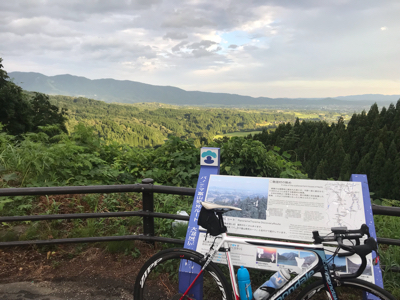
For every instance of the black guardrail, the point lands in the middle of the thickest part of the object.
(146, 188)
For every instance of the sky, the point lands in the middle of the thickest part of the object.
(268, 48)
(242, 184)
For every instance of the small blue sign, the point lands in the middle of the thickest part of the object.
(209, 157)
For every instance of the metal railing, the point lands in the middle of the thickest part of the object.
(146, 188)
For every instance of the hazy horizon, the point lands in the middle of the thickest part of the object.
(337, 97)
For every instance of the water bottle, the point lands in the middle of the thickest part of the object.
(243, 277)
(176, 223)
(275, 282)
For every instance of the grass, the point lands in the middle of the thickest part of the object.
(76, 228)
(302, 115)
(389, 227)
(237, 133)
(242, 133)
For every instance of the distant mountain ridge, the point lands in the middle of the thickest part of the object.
(125, 91)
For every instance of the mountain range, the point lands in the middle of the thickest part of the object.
(125, 91)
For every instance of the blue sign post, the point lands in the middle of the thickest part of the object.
(369, 218)
(209, 165)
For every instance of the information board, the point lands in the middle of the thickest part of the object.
(287, 209)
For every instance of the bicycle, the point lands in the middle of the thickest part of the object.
(160, 273)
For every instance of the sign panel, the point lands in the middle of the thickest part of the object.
(287, 209)
(290, 208)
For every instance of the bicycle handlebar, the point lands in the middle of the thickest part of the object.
(342, 233)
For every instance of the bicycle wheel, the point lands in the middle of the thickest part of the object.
(349, 289)
(159, 277)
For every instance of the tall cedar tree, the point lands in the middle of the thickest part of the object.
(19, 114)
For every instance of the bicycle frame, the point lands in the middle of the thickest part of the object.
(319, 265)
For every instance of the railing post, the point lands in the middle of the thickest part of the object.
(148, 206)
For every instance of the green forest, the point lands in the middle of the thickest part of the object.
(149, 125)
(369, 144)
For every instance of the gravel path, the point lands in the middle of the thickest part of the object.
(63, 290)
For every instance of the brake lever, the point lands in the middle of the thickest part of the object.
(365, 230)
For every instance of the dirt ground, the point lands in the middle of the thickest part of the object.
(31, 273)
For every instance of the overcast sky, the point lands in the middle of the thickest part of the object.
(270, 48)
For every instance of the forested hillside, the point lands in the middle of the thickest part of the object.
(369, 144)
(125, 91)
(150, 124)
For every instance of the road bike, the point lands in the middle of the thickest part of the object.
(159, 279)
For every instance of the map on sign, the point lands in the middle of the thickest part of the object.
(343, 204)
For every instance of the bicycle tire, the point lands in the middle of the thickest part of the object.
(349, 289)
(158, 278)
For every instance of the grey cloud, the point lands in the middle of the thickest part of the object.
(232, 46)
(204, 44)
(182, 19)
(250, 48)
(106, 6)
(201, 53)
(74, 9)
(175, 36)
(32, 45)
(116, 49)
(38, 25)
(179, 46)
(196, 50)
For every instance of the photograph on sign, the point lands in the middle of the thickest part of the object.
(265, 254)
(339, 262)
(305, 259)
(248, 193)
(287, 257)
(354, 263)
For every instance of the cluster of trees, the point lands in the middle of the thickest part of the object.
(21, 112)
(146, 125)
(369, 144)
